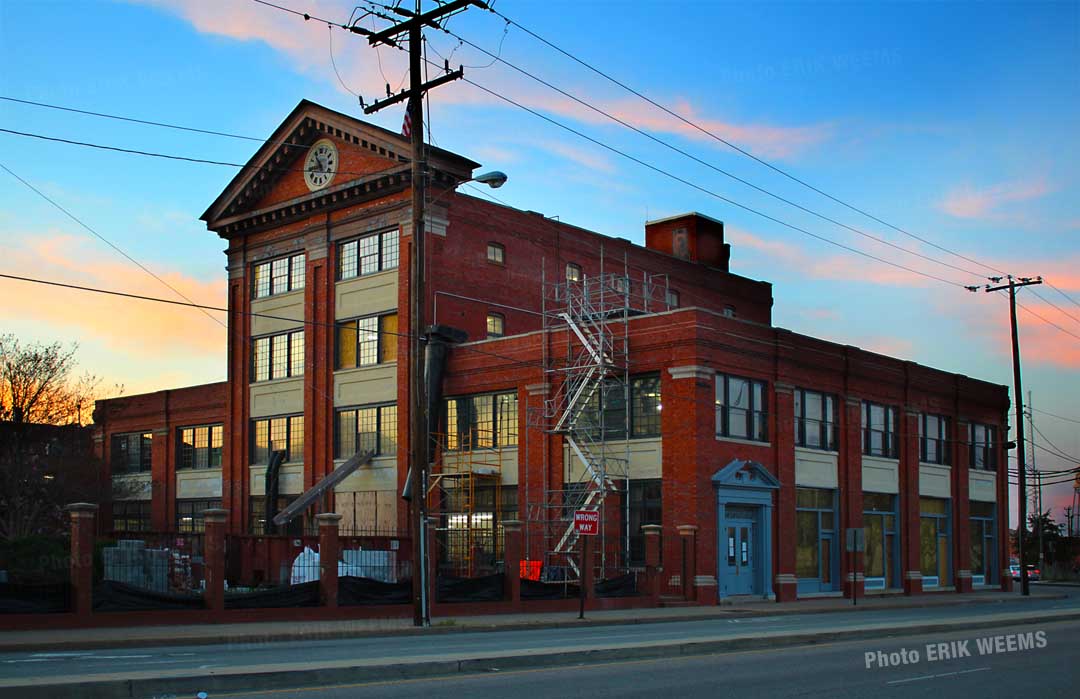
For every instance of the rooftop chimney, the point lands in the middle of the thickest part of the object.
(692, 237)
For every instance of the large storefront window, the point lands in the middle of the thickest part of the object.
(644, 509)
(983, 544)
(815, 536)
(934, 541)
(882, 542)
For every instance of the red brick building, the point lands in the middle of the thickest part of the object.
(754, 448)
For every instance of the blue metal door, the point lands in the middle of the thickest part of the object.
(738, 553)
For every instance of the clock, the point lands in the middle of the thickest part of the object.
(321, 164)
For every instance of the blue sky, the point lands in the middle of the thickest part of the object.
(954, 121)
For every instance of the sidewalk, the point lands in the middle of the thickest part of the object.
(266, 632)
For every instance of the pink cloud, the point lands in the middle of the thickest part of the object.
(306, 44)
(969, 202)
(839, 266)
(144, 329)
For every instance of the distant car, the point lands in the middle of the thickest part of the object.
(1033, 572)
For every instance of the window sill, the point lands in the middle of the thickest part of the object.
(278, 297)
(894, 459)
(271, 382)
(370, 275)
(933, 465)
(739, 440)
(365, 367)
(816, 450)
(197, 469)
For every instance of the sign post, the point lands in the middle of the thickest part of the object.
(586, 525)
(856, 542)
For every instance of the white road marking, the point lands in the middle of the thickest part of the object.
(931, 677)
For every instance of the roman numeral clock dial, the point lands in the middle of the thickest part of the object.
(321, 164)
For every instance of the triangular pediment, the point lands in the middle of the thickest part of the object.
(742, 473)
(271, 185)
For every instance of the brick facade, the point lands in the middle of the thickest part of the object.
(722, 325)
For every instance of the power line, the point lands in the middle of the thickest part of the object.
(133, 120)
(182, 158)
(1068, 298)
(1059, 417)
(105, 240)
(1058, 450)
(711, 166)
(735, 147)
(1054, 305)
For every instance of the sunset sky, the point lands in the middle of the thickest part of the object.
(956, 122)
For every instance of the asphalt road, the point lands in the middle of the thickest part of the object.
(833, 670)
(390, 649)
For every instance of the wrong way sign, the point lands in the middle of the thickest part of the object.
(587, 522)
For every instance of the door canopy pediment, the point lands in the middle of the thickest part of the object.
(741, 473)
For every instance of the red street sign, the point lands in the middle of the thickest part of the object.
(587, 522)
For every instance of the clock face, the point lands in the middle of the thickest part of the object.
(321, 164)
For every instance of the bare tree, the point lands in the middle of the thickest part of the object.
(46, 456)
(39, 384)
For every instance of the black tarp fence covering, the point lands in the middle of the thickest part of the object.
(534, 589)
(354, 592)
(301, 595)
(621, 586)
(48, 598)
(112, 596)
(487, 588)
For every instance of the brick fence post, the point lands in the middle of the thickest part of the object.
(82, 557)
(512, 560)
(652, 561)
(329, 549)
(688, 536)
(214, 555)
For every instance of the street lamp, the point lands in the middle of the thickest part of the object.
(493, 179)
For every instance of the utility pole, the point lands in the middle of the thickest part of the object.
(1012, 286)
(1038, 480)
(411, 29)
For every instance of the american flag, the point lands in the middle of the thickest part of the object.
(406, 125)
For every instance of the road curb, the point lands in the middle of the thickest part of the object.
(726, 612)
(254, 681)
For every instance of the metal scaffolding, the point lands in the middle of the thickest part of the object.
(588, 405)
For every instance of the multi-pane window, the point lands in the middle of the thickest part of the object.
(672, 298)
(482, 422)
(189, 514)
(573, 272)
(200, 447)
(279, 276)
(879, 430)
(606, 410)
(934, 439)
(257, 516)
(934, 541)
(496, 253)
(983, 446)
(496, 325)
(741, 408)
(368, 428)
(882, 541)
(131, 515)
(983, 543)
(284, 433)
(368, 254)
(815, 420)
(277, 356)
(815, 529)
(367, 341)
(645, 508)
(131, 452)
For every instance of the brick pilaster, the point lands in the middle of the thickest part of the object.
(785, 584)
(851, 496)
(909, 503)
(82, 557)
(961, 509)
